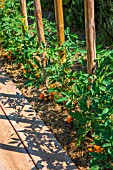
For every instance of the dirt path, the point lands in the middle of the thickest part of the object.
(13, 155)
(43, 148)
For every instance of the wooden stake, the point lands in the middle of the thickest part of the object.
(38, 15)
(60, 26)
(24, 13)
(40, 30)
(90, 35)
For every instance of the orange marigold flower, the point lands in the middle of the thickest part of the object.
(9, 57)
(52, 85)
(41, 95)
(24, 71)
(45, 99)
(90, 150)
(37, 76)
(29, 70)
(98, 148)
(53, 93)
(69, 119)
(76, 102)
(34, 65)
(50, 97)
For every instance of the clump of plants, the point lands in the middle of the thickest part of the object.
(90, 109)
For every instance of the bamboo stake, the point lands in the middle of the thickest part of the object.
(24, 14)
(40, 31)
(90, 35)
(60, 26)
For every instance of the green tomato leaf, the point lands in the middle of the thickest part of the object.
(105, 110)
(106, 145)
(61, 100)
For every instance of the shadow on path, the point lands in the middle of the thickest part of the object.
(40, 143)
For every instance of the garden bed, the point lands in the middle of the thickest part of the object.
(54, 115)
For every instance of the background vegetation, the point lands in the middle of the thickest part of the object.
(74, 17)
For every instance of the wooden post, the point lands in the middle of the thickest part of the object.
(40, 30)
(38, 15)
(60, 26)
(24, 13)
(90, 35)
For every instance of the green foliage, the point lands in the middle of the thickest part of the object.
(23, 46)
(74, 17)
(92, 110)
(104, 20)
(11, 31)
(74, 13)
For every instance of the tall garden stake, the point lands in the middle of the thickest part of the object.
(60, 26)
(24, 14)
(40, 30)
(2, 4)
(90, 35)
